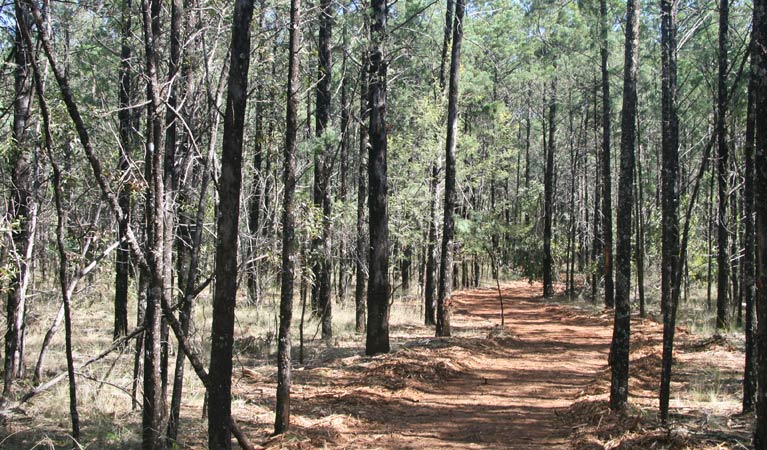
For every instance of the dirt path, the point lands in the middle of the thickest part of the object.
(483, 388)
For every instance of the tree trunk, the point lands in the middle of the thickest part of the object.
(446, 42)
(606, 182)
(377, 340)
(22, 208)
(622, 327)
(431, 249)
(749, 372)
(360, 270)
(670, 261)
(548, 196)
(407, 262)
(282, 409)
(722, 258)
(153, 392)
(64, 277)
(254, 208)
(760, 205)
(122, 264)
(230, 181)
(444, 304)
(322, 168)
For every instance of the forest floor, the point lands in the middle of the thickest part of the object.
(540, 381)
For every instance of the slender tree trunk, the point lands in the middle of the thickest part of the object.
(230, 181)
(444, 303)
(670, 261)
(322, 168)
(189, 261)
(122, 264)
(722, 258)
(282, 409)
(361, 270)
(407, 262)
(431, 249)
(449, 8)
(596, 250)
(622, 327)
(153, 392)
(64, 277)
(254, 208)
(22, 208)
(138, 362)
(377, 340)
(749, 372)
(640, 226)
(548, 195)
(606, 182)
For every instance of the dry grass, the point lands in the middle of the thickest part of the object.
(107, 417)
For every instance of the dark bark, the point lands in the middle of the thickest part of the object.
(622, 327)
(760, 206)
(254, 208)
(377, 340)
(606, 243)
(670, 261)
(138, 361)
(449, 8)
(282, 409)
(444, 304)
(431, 250)
(722, 258)
(153, 404)
(360, 269)
(230, 183)
(597, 255)
(406, 263)
(124, 114)
(321, 248)
(548, 195)
(749, 372)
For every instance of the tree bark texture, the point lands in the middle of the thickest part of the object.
(722, 258)
(230, 182)
(670, 262)
(548, 195)
(377, 340)
(448, 227)
(606, 182)
(760, 205)
(622, 326)
(282, 409)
